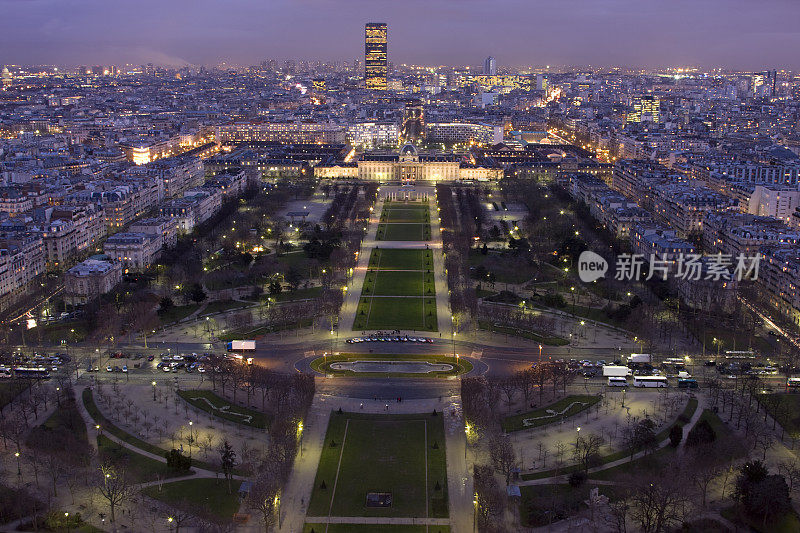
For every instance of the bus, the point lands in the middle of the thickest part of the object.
(687, 383)
(650, 381)
(5, 372)
(37, 372)
(793, 384)
(734, 355)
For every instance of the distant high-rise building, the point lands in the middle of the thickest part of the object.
(490, 66)
(645, 109)
(541, 82)
(764, 83)
(6, 78)
(375, 55)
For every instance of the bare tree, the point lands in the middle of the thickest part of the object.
(263, 496)
(790, 469)
(113, 486)
(659, 503)
(489, 496)
(587, 450)
(502, 454)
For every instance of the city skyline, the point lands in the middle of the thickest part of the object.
(571, 33)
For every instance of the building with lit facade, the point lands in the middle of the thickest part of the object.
(645, 109)
(409, 165)
(376, 62)
(280, 132)
(369, 135)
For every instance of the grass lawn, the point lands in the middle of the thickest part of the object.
(785, 408)
(394, 283)
(399, 313)
(211, 495)
(9, 390)
(209, 402)
(788, 523)
(400, 259)
(404, 232)
(223, 305)
(250, 332)
(734, 448)
(177, 313)
(382, 453)
(506, 266)
(65, 420)
(549, 340)
(139, 468)
(562, 409)
(401, 215)
(369, 528)
(322, 365)
(56, 332)
(300, 294)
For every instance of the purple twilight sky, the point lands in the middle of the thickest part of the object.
(745, 34)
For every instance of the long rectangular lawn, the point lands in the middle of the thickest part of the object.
(404, 232)
(399, 283)
(400, 454)
(397, 259)
(401, 313)
(406, 215)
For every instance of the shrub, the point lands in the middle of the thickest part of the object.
(576, 479)
(675, 435)
(177, 461)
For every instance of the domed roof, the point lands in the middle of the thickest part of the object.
(408, 149)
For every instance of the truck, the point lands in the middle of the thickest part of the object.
(242, 346)
(616, 371)
(640, 358)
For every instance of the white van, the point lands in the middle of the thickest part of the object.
(617, 381)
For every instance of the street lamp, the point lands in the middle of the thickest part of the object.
(154, 390)
(300, 434)
(577, 435)
(475, 512)
(540, 354)
(19, 468)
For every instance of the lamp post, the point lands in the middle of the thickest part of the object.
(191, 438)
(540, 354)
(154, 390)
(19, 468)
(577, 436)
(300, 434)
(278, 504)
(475, 513)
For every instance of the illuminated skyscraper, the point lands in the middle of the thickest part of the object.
(490, 67)
(645, 109)
(375, 55)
